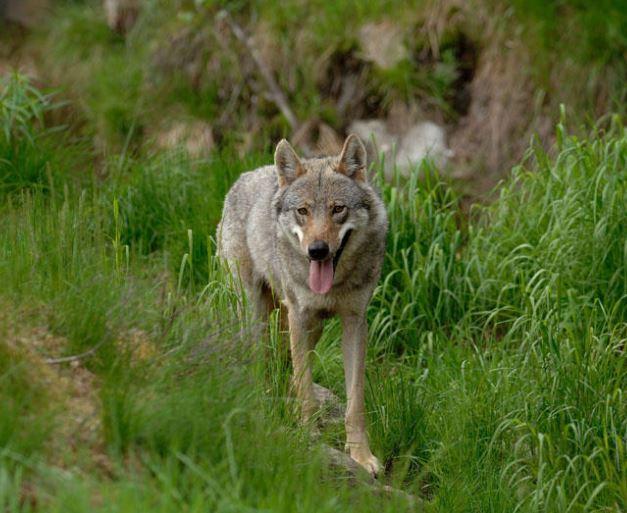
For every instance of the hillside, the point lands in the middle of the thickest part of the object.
(491, 74)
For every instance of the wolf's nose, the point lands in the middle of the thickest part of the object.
(318, 250)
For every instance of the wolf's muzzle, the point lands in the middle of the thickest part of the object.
(318, 250)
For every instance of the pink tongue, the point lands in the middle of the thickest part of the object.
(321, 276)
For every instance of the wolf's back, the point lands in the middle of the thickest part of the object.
(245, 233)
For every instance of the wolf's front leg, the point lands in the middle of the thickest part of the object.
(304, 333)
(355, 334)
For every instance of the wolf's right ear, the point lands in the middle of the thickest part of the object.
(353, 159)
(287, 163)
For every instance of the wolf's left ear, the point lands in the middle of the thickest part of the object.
(287, 163)
(353, 159)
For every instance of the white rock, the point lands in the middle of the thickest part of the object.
(374, 131)
(406, 151)
(424, 140)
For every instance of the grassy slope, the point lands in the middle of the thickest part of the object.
(496, 360)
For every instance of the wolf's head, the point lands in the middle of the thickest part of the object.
(321, 204)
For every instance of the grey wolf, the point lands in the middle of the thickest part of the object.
(312, 232)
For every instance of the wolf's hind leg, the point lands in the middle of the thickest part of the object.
(253, 301)
(259, 307)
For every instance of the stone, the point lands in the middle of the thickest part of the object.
(424, 140)
(405, 151)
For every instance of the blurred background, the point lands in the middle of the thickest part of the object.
(469, 83)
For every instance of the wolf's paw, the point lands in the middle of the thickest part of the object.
(367, 460)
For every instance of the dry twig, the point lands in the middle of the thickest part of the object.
(76, 357)
(275, 91)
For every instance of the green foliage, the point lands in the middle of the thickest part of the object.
(22, 108)
(172, 202)
(601, 33)
(539, 289)
(556, 236)
(31, 154)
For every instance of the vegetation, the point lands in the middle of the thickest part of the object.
(464, 64)
(496, 358)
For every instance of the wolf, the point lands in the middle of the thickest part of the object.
(312, 232)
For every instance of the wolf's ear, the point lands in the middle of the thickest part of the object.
(287, 163)
(353, 159)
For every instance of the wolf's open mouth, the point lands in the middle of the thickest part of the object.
(339, 251)
(321, 272)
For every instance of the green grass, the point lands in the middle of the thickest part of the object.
(496, 366)
(30, 153)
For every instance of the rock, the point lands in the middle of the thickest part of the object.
(405, 151)
(342, 462)
(333, 410)
(382, 43)
(424, 140)
(195, 136)
(121, 14)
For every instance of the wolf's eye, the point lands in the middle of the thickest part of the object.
(302, 211)
(338, 209)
